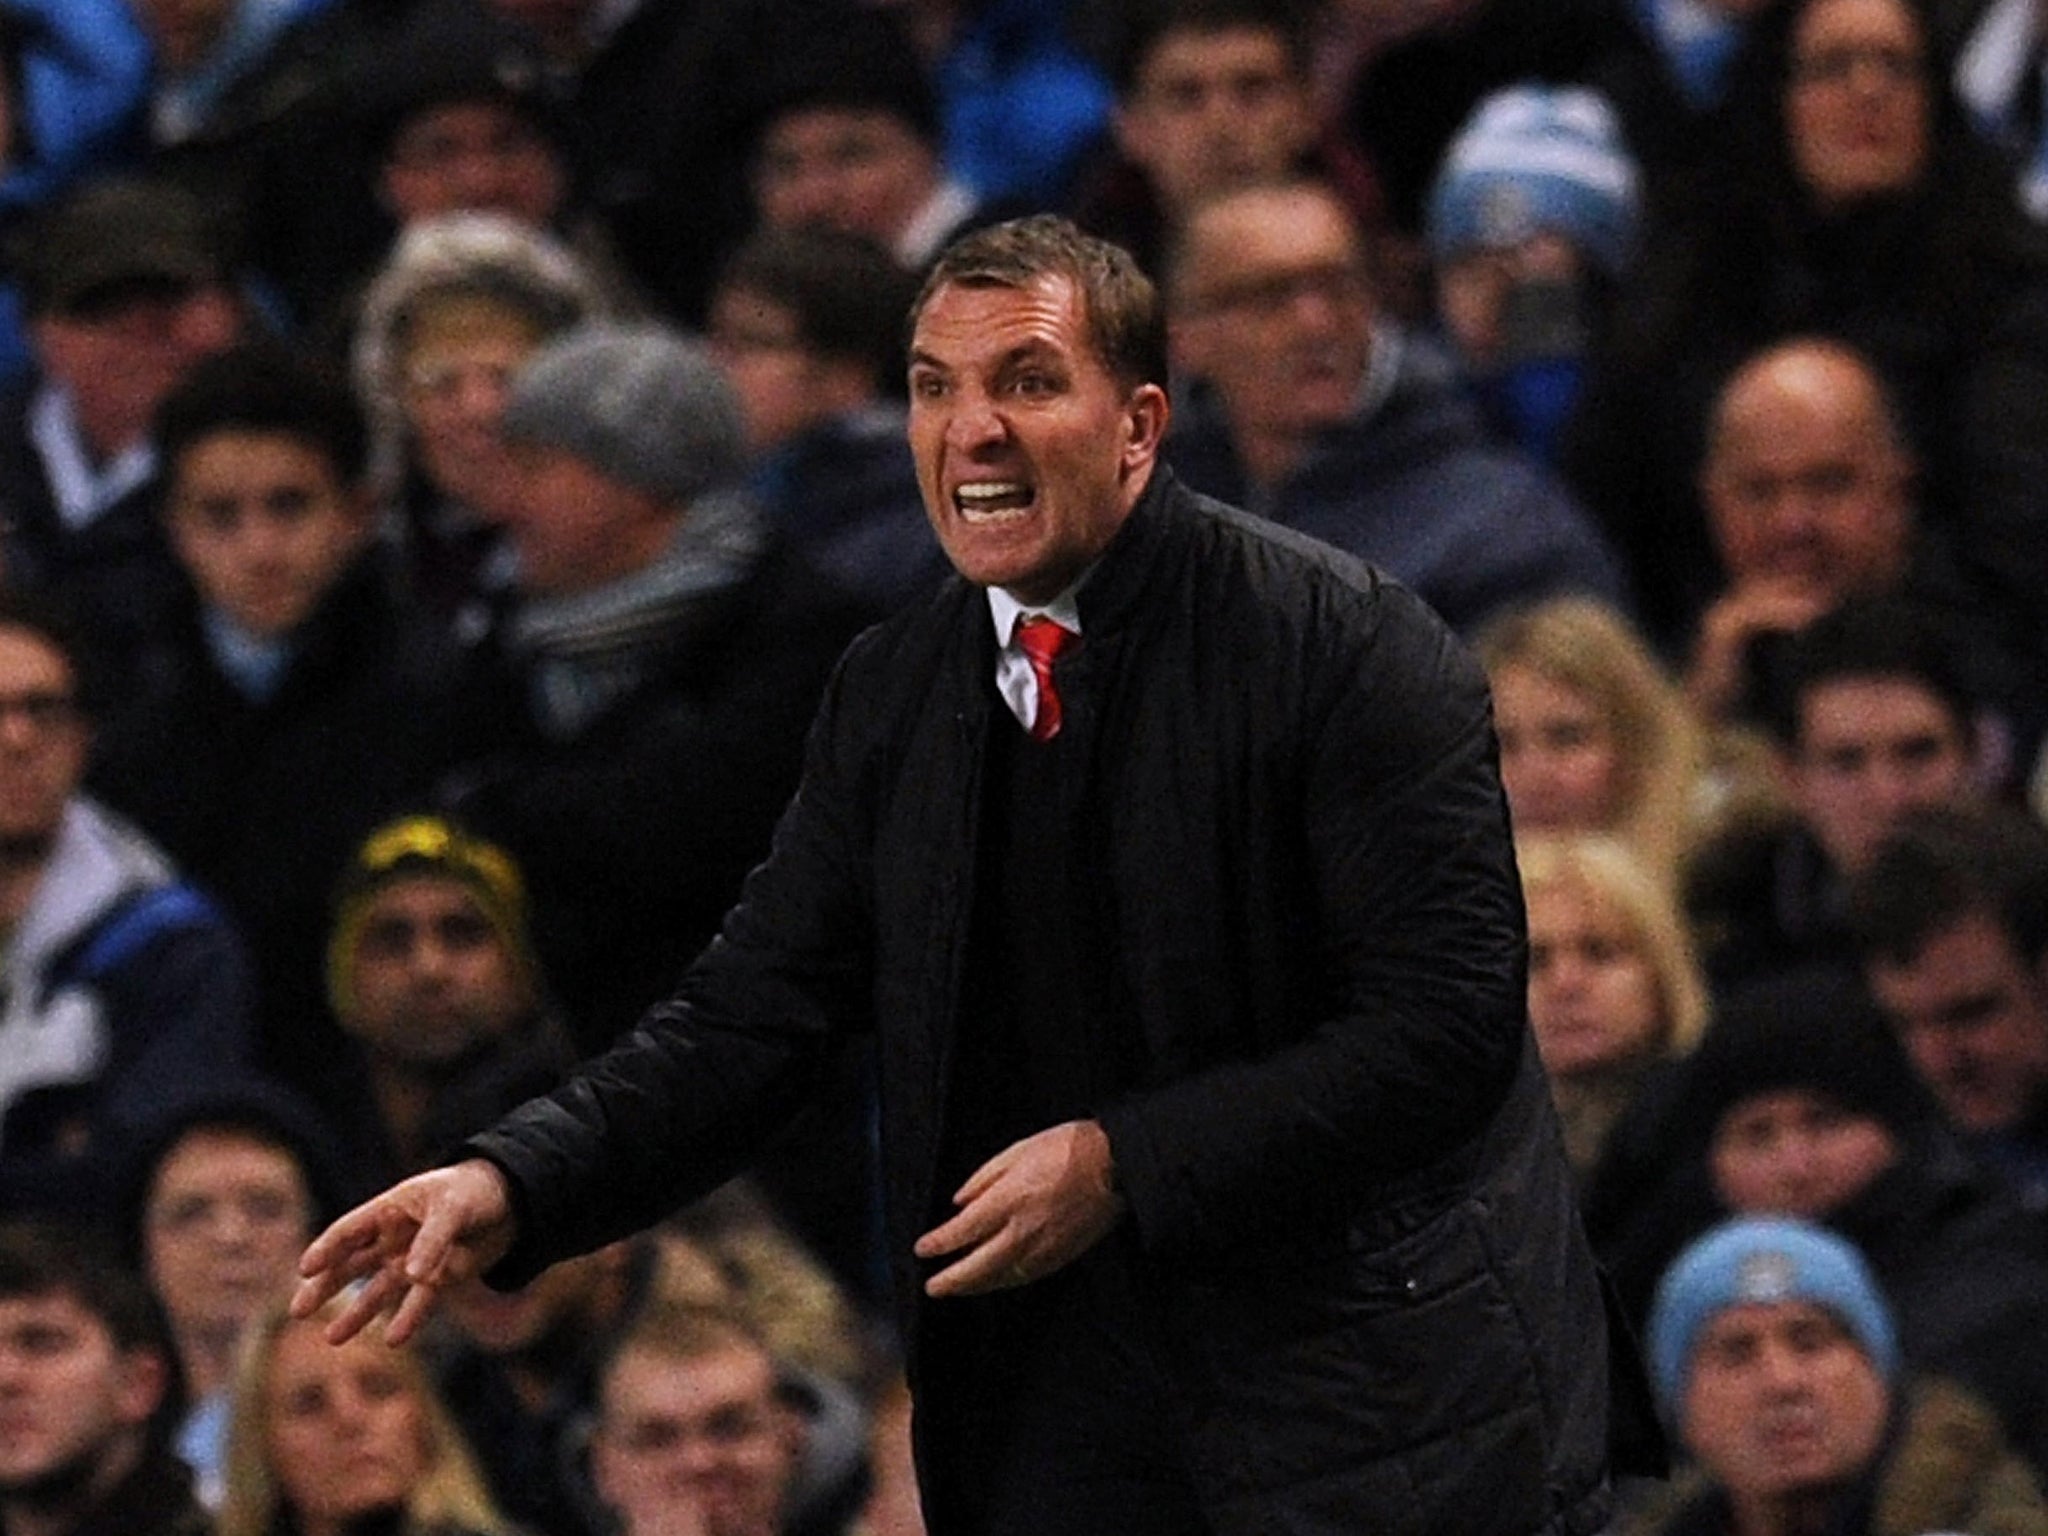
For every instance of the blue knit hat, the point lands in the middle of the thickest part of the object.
(1762, 1259)
(1533, 158)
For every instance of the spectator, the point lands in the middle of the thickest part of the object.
(1847, 200)
(75, 72)
(1211, 95)
(226, 1188)
(1798, 1103)
(432, 976)
(1614, 992)
(126, 286)
(1309, 408)
(638, 717)
(1951, 920)
(1593, 736)
(326, 1439)
(519, 1376)
(807, 326)
(295, 699)
(1532, 223)
(1871, 722)
(90, 1387)
(849, 139)
(1808, 489)
(121, 978)
(460, 305)
(1776, 1362)
(697, 1429)
(1774, 1355)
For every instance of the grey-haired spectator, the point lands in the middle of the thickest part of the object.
(460, 305)
(1774, 1354)
(125, 285)
(637, 717)
(1532, 224)
(120, 977)
(1951, 921)
(293, 698)
(807, 325)
(89, 1389)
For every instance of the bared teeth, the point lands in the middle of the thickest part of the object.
(989, 498)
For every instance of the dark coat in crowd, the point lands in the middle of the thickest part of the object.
(262, 803)
(155, 1499)
(1350, 1214)
(1413, 485)
(116, 575)
(635, 831)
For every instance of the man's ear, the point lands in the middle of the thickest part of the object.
(1145, 418)
(142, 1378)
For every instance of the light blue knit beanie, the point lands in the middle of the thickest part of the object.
(1762, 1259)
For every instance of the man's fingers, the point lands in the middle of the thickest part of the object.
(412, 1312)
(969, 1226)
(370, 1298)
(989, 1267)
(426, 1261)
(979, 1181)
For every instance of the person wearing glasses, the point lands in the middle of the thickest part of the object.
(116, 977)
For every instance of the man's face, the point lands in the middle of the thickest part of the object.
(1212, 110)
(120, 357)
(433, 980)
(1793, 1152)
(1781, 1401)
(1857, 101)
(264, 525)
(860, 169)
(784, 387)
(573, 527)
(1804, 488)
(1973, 1016)
(222, 1226)
(1030, 453)
(1272, 308)
(43, 737)
(1870, 750)
(704, 1439)
(68, 1394)
(473, 157)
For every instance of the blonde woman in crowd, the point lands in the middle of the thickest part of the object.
(1594, 734)
(1614, 990)
(328, 1440)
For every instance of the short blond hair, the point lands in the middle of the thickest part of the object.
(1609, 874)
(451, 1492)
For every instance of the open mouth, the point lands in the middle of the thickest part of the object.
(992, 501)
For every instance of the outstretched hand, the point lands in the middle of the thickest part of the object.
(405, 1247)
(1033, 1208)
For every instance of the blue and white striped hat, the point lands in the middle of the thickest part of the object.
(1533, 158)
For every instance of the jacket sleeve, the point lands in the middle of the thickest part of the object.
(1419, 933)
(704, 1081)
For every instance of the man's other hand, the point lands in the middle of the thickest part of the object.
(1033, 1208)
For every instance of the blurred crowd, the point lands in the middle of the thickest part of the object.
(445, 444)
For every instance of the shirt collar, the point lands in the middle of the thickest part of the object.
(1006, 611)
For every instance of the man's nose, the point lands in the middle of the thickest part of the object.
(974, 424)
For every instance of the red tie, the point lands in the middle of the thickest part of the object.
(1041, 640)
